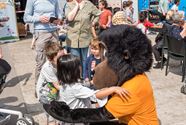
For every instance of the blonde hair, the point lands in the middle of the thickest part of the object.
(95, 44)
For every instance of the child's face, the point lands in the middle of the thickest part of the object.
(95, 52)
(101, 6)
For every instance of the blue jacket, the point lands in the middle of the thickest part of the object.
(88, 73)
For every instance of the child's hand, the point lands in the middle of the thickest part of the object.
(123, 93)
(86, 80)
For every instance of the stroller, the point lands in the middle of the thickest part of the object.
(6, 113)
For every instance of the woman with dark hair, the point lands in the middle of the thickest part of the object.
(105, 17)
(73, 92)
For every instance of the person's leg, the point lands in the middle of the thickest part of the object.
(75, 51)
(156, 53)
(83, 56)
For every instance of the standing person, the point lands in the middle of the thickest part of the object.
(81, 16)
(105, 16)
(45, 15)
(49, 72)
(175, 6)
(163, 9)
(94, 59)
(130, 11)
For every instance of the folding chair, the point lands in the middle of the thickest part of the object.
(177, 51)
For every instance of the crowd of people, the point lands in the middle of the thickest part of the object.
(85, 22)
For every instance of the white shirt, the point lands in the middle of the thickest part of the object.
(174, 8)
(142, 27)
(78, 96)
(48, 74)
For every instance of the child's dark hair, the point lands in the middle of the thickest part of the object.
(68, 69)
(142, 17)
(51, 49)
(116, 9)
(104, 3)
(176, 1)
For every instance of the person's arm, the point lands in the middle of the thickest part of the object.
(28, 15)
(95, 14)
(111, 90)
(161, 7)
(109, 19)
(72, 14)
(93, 31)
(1, 55)
(183, 32)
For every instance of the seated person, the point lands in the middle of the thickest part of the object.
(74, 93)
(177, 26)
(140, 24)
(172, 30)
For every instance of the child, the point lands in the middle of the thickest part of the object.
(94, 59)
(141, 25)
(49, 73)
(73, 93)
(130, 11)
(105, 17)
(175, 6)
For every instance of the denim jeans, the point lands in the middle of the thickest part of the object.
(82, 53)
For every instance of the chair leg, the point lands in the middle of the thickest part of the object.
(162, 55)
(167, 65)
(183, 71)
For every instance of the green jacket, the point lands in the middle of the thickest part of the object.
(79, 32)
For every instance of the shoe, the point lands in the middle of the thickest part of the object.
(157, 66)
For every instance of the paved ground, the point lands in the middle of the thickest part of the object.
(19, 93)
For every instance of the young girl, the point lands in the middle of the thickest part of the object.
(94, 59)
(73, 93)
(130, 11)
(105, 16)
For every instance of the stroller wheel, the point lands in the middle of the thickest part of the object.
(29, 119)
(183, 89)
(22, 121)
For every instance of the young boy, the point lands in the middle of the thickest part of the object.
(49, 72)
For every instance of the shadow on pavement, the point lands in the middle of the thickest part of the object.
(14, 81)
